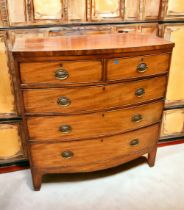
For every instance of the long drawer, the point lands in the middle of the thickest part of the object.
(91, 154)
(63, 72)
(93, 125)
(83, 99)
(126, 68)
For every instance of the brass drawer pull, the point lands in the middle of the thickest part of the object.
(142, 67)
(67, 154)
(63, 101)
(65, 128)
(61, 74)
(134, 142)
(139, 92)
(137, 118)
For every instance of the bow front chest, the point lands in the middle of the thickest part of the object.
(90, 102)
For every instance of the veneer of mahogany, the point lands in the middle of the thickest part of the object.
(82, 155)
(93, 98)
(90, 102)
(126, 68)
(64, 128)
(62, 72)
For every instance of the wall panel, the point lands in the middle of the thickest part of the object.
(98, 11)
(132, 9)
(10, 141)
(175, 92)
(76, 10)
(173, 9)
(17, 11)
(7, 102)
(151, 9)
(149, 28)
(35, 12)
(173, 123)
(47, 9)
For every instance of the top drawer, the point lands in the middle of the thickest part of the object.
(63, 72)
(126, 68)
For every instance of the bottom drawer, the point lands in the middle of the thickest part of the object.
(88, 155)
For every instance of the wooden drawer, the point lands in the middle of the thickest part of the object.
(91, 154)
(93, 125)
(61, 72)
(126, 68)
(92, 98)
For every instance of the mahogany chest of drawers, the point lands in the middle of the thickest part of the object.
(90, 102)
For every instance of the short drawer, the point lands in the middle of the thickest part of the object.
(93, 125)
(61, 72)
(126, 68)
(91, 154)
(84, 99)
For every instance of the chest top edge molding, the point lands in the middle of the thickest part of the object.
(89, 45)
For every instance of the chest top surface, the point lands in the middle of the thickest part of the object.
(89, 44)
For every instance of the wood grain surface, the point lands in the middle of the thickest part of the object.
(93, 151)
(93, 125)
(86, 99)
(44, 72)
(105, 123)
(88, 44)
(125, 68)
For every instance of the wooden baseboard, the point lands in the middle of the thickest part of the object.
(169, 143)
(14, 166)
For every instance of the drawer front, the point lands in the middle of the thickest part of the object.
(61, 72)
(79, 154)
(83, 99)
(126, 68)
(93, 125)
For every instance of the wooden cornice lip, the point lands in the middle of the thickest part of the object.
(88, 44)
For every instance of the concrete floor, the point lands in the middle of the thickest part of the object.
(133, 186)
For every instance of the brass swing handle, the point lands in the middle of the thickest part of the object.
(61, 74)
(142, 67)
(140, 92)
(64, 101)
(65, 129)
(137, 118)
(134, 142)
(67, 154)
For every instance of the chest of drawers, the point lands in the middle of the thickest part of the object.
(90, 102)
